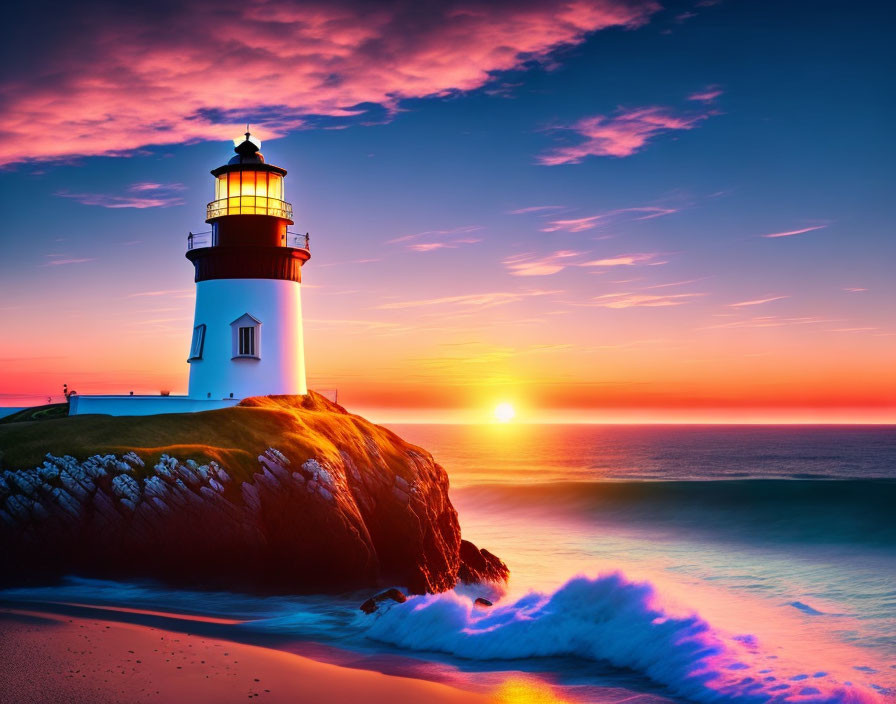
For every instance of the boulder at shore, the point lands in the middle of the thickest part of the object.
(279, 493)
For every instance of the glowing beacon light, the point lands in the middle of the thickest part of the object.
(247, 329)
(248, 186)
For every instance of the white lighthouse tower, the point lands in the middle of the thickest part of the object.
(247, 328)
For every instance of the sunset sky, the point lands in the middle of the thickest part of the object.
(597, 211)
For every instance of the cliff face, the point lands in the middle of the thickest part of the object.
(278, 493)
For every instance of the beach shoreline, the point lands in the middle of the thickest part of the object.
(52, 656)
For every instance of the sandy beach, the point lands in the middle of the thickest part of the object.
(58, 657)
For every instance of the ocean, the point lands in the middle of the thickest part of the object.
(649, 563)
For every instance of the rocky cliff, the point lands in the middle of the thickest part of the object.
(276, 494)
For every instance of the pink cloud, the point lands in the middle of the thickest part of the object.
(60, 262)
(477, 300)
(641, 300)
(590, 222)
(158, 195)
(106, 79)
(533, 265)
(624, 134)
(435, 233)
(176, 292)
(438, 239)
(855, 290)
(767, 321)
(757, 302)
(574, 224)
(795, 232)
(534, 209)
(675, 283)
(432, 246)
(707, 95)
(622, 260)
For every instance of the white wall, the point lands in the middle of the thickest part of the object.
(281, 368)
(142, 405)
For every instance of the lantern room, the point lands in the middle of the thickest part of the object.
(249, 192)
(247, 187)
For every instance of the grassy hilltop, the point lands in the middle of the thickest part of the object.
(234, 437)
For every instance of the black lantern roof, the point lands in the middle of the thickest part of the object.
(248, 155)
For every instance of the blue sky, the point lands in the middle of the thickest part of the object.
(781, 115)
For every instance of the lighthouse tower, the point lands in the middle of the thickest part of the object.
(247, 328)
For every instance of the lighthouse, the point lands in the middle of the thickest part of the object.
(247, 327)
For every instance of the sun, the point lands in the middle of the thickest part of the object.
(504, 413)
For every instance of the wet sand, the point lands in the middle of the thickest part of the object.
(51, 657)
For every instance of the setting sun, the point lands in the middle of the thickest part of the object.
(504, 413)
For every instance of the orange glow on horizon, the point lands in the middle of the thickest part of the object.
(417, 364)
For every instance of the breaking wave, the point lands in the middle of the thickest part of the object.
(612, 620)
(608, 620)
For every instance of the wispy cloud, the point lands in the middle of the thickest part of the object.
(476, 300)
(434, 233)
(137, 195)
(647, 212)
(437, 239)
(625, 133)
(451, 244)
(365, 325)
(623, 260)
(534, 265)
(369, 260)
(855, 290)
(641, 300)
(757, 301)
(146, 80)
(535, 209)
(176, 292)
(768, 321)
(790, 233)
(573, 224)
(57, 260)
(707, 95)
(675, 283)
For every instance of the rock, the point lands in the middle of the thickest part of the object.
(126, 487)
(373, 603)
(310, 499)
(483, 602)
(480, 565)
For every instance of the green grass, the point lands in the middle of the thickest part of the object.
(53, 410)
(299, 426)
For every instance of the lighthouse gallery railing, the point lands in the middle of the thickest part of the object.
(249, 205)
(200, 240)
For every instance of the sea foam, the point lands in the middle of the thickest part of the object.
(613, 620)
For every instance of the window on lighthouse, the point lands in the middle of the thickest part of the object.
(247, 342)
(246, 337)
(198, 343)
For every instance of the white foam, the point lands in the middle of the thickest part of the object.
(613, 620)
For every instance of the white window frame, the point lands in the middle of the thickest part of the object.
(246, 341)
(244, 322)
(197, 344)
